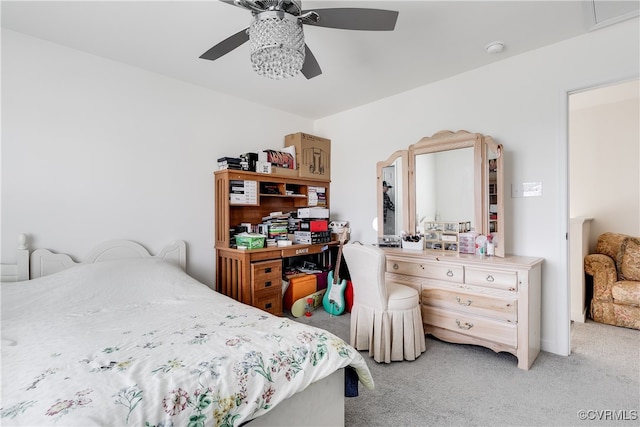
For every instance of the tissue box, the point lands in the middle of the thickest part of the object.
(250, 240)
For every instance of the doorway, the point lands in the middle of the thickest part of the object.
(604, 175)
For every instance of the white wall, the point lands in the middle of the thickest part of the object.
(604, 152)
(522, 103)
(95, 150)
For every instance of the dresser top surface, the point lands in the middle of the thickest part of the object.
(466, 259)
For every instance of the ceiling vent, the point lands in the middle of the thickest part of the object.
(602, 13)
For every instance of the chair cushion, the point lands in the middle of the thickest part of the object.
(401, 297)
(609, 244)
(626, 292)
(628, 261)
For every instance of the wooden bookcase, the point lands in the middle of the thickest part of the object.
(254, 276)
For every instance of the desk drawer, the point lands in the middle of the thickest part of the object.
(507, 280)
(505, 309)
(266, 275)
(474, 326)
(269, 300)
(449, 273)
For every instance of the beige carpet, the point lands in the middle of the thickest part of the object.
(453, 384)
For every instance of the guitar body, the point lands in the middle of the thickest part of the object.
(333, 300)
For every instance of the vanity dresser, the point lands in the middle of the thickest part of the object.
(491, 301)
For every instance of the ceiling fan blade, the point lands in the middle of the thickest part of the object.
(355, 19)
(226, 45)
(310, 68)
(231, 2)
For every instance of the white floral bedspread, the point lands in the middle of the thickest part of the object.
(140, 343)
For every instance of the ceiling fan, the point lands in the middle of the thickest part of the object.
(278, 49)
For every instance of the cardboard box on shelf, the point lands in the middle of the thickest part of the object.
(268, 168)
(284, 171)
(313, 155)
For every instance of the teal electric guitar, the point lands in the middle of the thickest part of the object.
(333, 300)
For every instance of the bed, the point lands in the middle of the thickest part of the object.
(127, 338)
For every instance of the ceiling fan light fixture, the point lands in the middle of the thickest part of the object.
(277, 44)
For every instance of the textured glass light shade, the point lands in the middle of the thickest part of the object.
(277, 44)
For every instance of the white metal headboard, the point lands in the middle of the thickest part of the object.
(20, 270)
(45, 262)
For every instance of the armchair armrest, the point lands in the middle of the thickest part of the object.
(603, 270)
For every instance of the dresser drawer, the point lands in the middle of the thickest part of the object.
(266, 275)
(473, 326)
(507, 280)
(505, 309)
(269, 300)
(449, 273)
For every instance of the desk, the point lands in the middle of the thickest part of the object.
(254, 276)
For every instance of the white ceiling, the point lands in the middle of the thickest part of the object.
(432, 40)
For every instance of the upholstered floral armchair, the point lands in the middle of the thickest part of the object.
(615, 268)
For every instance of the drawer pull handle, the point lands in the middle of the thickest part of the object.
(267, 270)
(468, 303)
(395, 266)
(267, 284)
(268, 305)
(466, 325)
(449, 273)
(490, 278)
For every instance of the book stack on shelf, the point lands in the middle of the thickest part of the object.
(235, 163)
(277, 225)
(269, 188)
(243, 192)
(294, 224)
(317, 196)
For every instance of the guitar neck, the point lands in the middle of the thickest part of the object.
(337, 269)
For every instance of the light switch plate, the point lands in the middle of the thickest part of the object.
(526, 189)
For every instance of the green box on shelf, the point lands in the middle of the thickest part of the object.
(250, 240)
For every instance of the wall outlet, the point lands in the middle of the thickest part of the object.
(526, 189)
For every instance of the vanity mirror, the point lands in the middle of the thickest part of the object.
(451, 178)
(493, 205)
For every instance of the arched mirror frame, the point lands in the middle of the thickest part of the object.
(445, 141)
(400, 159)
(484, 148)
